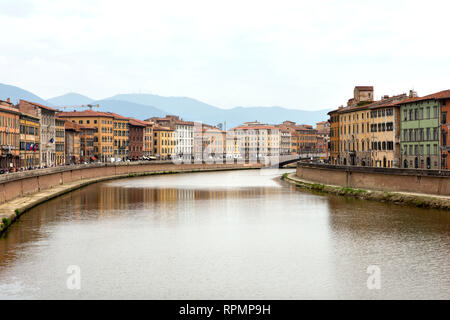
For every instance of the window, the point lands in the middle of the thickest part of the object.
(428, 113)
(444, 117)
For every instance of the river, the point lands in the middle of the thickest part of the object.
(223, 235)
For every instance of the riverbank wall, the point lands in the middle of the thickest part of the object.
(431, 182)
(427, 189)
(22, 191)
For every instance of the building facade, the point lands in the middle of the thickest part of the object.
(72, 143)
(60, 149)
(334, 137)
(87, 136)
(29, 141)
(136, 129)
(103, 125)
(9, 136)
(47, 127)
(420, 144)
(121, 136)
(163, 142)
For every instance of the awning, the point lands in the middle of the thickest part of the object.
(93, 158)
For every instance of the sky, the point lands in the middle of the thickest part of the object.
(296, 54)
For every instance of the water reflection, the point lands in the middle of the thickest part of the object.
(232, 235)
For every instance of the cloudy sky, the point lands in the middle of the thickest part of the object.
(296, 54)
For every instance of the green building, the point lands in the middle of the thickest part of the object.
(420, 133)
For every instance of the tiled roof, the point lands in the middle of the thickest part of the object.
(37, 105)
(84, 113)
(364, 88)
(69, 125)
(261, 127)
(434, 96)
(117, 116)
(157, 127)
(138, 123)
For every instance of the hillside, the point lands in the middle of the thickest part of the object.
(16, 93)
(70, 99)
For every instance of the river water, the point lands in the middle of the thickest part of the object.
(223, 235)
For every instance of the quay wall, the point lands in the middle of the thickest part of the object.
(26, 183)
(433, 182)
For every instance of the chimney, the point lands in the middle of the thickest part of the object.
(8, 100)
(385, 97)
(412, 94)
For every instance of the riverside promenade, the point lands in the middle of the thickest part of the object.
(22, 191)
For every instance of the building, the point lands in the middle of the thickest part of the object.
(103, 125)
(361, 95)
(60, 149)
(444, 98)
(213, 143)
(72, 143)
(163, 142)
(47, 127)
(258, 140)
(385, 132)
(184, 134)
(422, 128)
(334, 136)
(136, 147)
(9, 136)
(354, 135)
(303, 137)
(232, 145)
(323, 138)
(368, 133)
(121, 136)
(148, 139)
(29, 141)
(87, 136)
(285, 143)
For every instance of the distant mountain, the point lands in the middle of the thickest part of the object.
(128, 109)
(16, 93)
(143, 106)
(273, 115)
(194, 110)
(70, 99)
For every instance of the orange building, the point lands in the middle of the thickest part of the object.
(9, 136)
(103, 125)
(334, 136)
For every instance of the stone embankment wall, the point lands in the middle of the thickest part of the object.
(29, 182)
(431, 182)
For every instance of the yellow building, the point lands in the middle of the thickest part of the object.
(354, 136)
(385, 132)
(103, 124)
(59, 142)
(29, 141)
(163, 142)
(233, 150)
(121, 136)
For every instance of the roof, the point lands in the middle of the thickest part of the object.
(138, 123)
(364, 88)
(117, 116)
(37, 105)
(85, 113)
(9, 109)
(261, 127)
(69, 125)
(157, 127)
(434, 96)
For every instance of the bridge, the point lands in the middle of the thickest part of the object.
(284, 160)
